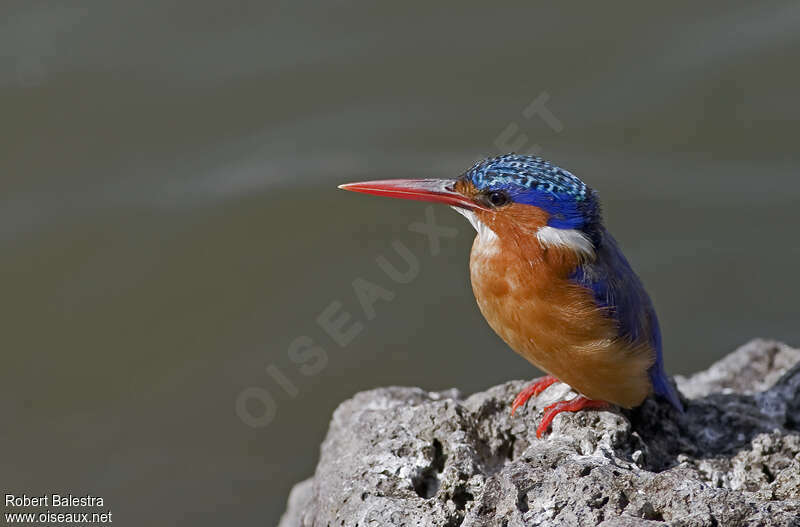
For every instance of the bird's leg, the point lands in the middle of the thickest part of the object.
(573, 405)
(536, 387)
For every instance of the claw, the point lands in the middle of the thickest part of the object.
(537, 387)
(573, 405)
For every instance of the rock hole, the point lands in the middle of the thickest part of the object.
(585, 471)
(425, 484)
(426, 481)
(438, 456)
(649, 513)
(598, 501)
(510, 451)
(768, 473)
(522, 501)
(623, 501)
(461, 497)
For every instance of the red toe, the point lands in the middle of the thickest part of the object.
(537, 387)
(573, 405)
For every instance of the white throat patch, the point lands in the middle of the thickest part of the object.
(484, 232)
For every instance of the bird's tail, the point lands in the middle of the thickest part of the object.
(662, 385)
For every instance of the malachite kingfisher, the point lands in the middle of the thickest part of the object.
(551, 281)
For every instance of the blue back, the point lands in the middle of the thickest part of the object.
(616, 287)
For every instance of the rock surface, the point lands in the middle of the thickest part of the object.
(406, 457)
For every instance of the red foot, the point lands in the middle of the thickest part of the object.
(573, 405)
(537, 387)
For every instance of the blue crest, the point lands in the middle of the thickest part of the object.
(535, 181)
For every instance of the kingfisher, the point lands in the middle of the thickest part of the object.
(551, 281)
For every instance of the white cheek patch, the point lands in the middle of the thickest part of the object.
(484, 232)
(566, 239)
(548, 236)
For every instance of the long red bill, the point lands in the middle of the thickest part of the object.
(435, 190)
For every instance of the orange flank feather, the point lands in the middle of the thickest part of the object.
(524, 292)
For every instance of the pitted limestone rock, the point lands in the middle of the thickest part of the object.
(406, 457)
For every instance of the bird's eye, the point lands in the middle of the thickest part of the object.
(497, 198)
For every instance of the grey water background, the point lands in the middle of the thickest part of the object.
(169, 221)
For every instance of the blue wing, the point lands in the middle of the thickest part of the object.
(616, 287)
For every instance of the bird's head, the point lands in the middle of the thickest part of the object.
(512, 195)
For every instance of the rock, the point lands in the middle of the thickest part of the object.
(407, 457)
(752, 368)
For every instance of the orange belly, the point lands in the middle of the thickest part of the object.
(554, 323)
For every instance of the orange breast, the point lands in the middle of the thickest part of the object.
(524, 292)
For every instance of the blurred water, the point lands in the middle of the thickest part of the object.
(169, 221)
